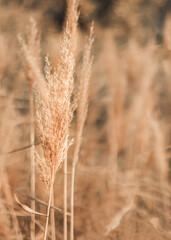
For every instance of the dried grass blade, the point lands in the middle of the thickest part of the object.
(26, 208)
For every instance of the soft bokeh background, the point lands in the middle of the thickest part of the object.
(123, 177)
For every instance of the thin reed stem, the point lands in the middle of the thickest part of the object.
(33, 180)
(81, 116)
(48, 212)
(72, 202)
(65, 198)
(53, 232)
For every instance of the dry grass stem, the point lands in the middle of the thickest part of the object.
(53, 120)
(72, 21)
(81, 116)
(53, 228)
(114, 182)
(33, 172)
(31, 52)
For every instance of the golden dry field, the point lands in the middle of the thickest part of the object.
(85, 120)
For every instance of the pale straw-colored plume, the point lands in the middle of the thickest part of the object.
(72, 21)
(31, 52)
(81, 115)
(83, 92)
(53, 106)
(54, 115)
(72, 16)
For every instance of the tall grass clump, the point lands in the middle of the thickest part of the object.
(81, 116)
(31, 52)
(55, 115)
(53, 106)
(113, 183)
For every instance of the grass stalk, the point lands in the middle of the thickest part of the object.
(48, 212)
(65, 198)
(81, 116)
(72, 202)
(53, 232)
(33, 180)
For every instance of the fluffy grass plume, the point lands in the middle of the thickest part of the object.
(55, 115)
(81, 115)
